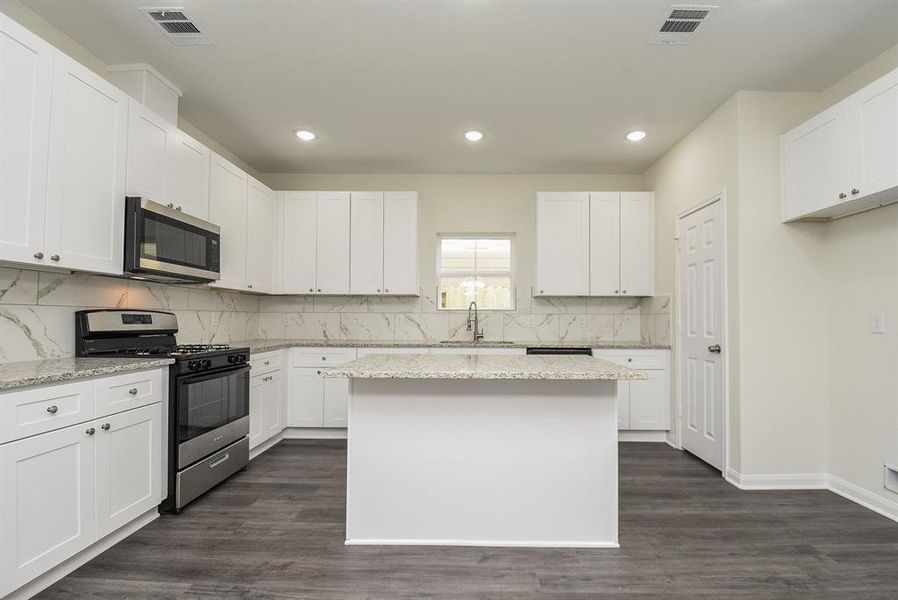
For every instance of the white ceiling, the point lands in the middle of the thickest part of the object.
(390, 86)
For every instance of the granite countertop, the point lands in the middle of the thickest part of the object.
(468, 366)
(256, 346)
(42, 372)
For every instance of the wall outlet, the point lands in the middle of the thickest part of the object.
(878, 322)
(890, 478)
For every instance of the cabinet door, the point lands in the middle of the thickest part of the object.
(604, 244)
(336, 401)
(562, 244)
(256, 393)
(333, 243)
(151, 147)
(816, 164)
(190, 176)
(650, 402)
(129, 466)
(272, 405)
(873, 128)
(47, 502)
(366, 274)
(401, 243)
(305, 403)
(85, 222)
(623, 404)
(636, 243)
(26, 73)
(260, 205)
(299, 234)
(227, 209)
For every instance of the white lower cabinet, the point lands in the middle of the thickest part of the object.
(266, 410)
(642, 405)
(63, 489)
(314, 400)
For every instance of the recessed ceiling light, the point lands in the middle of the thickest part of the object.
(635, 136)
(473, 135)
(306, 136)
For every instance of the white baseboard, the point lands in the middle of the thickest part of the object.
(857, 494)
(487, 543)
(315, 433)
(254, 452)
(44, 581)
(641, 436)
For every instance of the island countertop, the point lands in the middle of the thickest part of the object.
(465, 366)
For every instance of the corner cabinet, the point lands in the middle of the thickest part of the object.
(642, 405)
(594, 244)
(260, 238)
(845, 159)
(314, 400)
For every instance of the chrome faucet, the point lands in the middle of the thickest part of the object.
(475, 324)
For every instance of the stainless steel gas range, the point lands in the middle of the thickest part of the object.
(208, 395)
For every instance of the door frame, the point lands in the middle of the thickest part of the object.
(725, 325)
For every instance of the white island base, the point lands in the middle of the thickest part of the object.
(482, 463)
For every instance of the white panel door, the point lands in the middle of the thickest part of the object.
(26, 74)
(816, 164)
(366, 274)
(273, 405)
(86, 183)
(873, 128)
(650, 403)
(336, 401)
(636, 243)
(604, 243)
(305, 402)
(190, 176)
(700, 304)
(129, 466)
(401, 243)
(47, 502)
(151, 147)
(332, 250)
(260, 210)
(256, 393)
(227, 209)
(562, 243)
(299, 232)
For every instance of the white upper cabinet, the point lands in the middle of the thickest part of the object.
(86, 172)
(562, 244)
(189, 178)
(637, 235)
(400, 243)
(227, 209)
(299, 243)
(151, 147)
(845, 159)
(260, 238)
(332, 249)
(604, 243)
(366, 262)
(26, 73)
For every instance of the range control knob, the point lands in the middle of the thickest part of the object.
(192, 365)
(232, 358)
(207, 363)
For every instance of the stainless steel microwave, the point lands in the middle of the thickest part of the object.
(165, 244)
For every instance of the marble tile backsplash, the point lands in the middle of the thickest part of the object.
(37, 310)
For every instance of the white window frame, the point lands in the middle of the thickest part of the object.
(512, 274)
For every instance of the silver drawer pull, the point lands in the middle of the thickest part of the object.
(105, 426)
(53, 409)
(55, 258)
(323, 358)
(218, 461)
(90, 431)
(267, 362)
(133, 391)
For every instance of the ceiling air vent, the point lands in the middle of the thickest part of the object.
(681, 24)
(177, 26)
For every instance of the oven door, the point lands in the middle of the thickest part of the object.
(168, 245)
(213, 411)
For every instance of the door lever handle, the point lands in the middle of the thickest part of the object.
(715, 349)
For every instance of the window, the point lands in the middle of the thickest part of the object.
(476, 267)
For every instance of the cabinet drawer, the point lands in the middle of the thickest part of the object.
(322, 357)
(265, 362)
(127, 391)
(635, 359)
(38, 410)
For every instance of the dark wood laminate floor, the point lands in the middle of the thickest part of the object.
(277, 531)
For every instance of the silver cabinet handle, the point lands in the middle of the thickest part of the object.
(90, 431)
(105, 426)
(249, 285)
(319, 290)
(218, 461)
(323, 358)
(178, 209)
(133, 391)
(624, 292)
(267, 362)
(378, 290)
(55, 258)
(39, 255)
(53, 409)
(171, 205)
(842, 196)
(542, 291)
(616, 291)
(386, 291)
(715, 349)
(319, 372)
(629, 360)
(855, 191)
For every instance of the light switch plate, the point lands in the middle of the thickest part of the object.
(878, 322)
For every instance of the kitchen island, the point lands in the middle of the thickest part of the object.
(477, 450)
